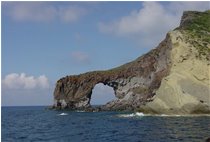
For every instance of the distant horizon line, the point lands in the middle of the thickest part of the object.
(37, 105)
(24, 105)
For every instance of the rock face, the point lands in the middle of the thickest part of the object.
(172, 78)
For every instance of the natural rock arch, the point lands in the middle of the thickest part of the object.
(133, 83)
(101, 94)
(155, 82)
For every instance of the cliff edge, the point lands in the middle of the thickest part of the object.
(173, 78)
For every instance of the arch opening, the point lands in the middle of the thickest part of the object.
(101, 94)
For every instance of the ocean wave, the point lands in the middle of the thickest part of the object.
(63, 114)
(136, 114)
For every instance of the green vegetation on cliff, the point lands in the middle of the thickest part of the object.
(197, 28)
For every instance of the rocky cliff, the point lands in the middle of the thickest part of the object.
(172, 78)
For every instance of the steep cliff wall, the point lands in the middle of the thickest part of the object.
(187, 87)
(172, 78)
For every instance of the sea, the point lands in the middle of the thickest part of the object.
(39, 124)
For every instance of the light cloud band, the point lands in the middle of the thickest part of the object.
(21, 81)
(43, 12)
(149, 24)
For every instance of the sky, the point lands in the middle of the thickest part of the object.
(44, 41)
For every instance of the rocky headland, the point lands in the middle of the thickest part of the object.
(173, 78)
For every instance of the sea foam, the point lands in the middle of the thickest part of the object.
(63, 114)
(136, 114)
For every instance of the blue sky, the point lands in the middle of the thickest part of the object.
(44, 41)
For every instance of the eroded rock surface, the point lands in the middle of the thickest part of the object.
(186, 89)
(133, 83)
(172, 78)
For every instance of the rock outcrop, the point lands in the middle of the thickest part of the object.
(172, 78)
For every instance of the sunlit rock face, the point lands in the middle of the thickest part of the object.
(172, 78)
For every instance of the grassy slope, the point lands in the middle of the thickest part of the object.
(198, 31)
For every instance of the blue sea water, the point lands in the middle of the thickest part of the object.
(36, 124)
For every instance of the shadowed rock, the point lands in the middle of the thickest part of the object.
(133, 83)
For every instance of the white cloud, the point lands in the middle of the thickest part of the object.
(31, 11)
(43, 12)
(21, 81)
(145, 21)
(80, 57)
(149, 24)
(71, 13)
